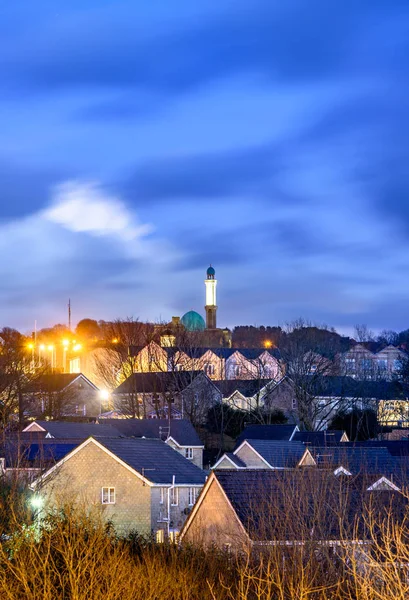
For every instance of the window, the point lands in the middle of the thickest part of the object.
(382, 364)
(173, 536)
(294, 403)
(108, 495)
(160, 536)
(397, 364)
(236, 370)
(192, 496)
(162, 495)
(209, 369)
(189, 453)
(350, 364)
(366, 364)
(174, 496)
(196, 398)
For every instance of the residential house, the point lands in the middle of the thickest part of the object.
(217, 363)
(260, 509)
(62, 394)
(266, 454)
(368, 360)
(190, 392)
(137, 484)
(179, 434)
(245, 394)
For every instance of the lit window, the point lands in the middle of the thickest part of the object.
(192, 496)
(108, 495)
(173, 536)
(160, 536)
(189, 453)
(174, 496)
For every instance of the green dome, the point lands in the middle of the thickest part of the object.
(192, 321)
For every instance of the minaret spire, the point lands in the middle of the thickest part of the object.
(211, 306)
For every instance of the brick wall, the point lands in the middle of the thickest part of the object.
(81, 479)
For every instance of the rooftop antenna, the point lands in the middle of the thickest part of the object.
(69, 314)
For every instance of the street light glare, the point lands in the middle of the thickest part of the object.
(50, 348)
(104, 394)
(37, 501)
(77, 347)
(65, 343)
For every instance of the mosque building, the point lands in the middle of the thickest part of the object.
(206, 333)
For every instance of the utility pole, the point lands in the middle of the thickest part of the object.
(69, 314)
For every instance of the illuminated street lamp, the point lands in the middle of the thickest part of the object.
(104, 397)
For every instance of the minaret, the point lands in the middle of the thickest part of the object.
(211, 306)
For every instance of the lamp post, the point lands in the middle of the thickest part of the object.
(51, 349)
(65, 344)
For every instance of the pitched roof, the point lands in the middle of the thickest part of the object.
(266, 432)
(181, 430)
(348, 387)
(246, 387)
(269, 503)
(319, 438)
(68, 429)
(394, 447)
(356, 459)
(157, 382)
(20, 452)
(155, 460)
(53, 382)
(279, 454)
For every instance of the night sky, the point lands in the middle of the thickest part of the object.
(141, 141)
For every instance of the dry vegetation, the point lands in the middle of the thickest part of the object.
(78, 557)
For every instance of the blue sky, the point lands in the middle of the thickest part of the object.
(142, 141)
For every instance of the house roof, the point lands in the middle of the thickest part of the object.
(181, 430)
(225, 353)
(357, 459)
(155, 460)
(54, 382)
(263, 501)
(266, 432)
(348, 387)
(319, 438)
(68, 429)
(394, 447)
(278, 453)
(21, 452)
(157, 382)
(247, 387)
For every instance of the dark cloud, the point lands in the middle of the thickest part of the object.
(289, 41)
(24, 189)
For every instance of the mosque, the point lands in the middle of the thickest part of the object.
(207, 334)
